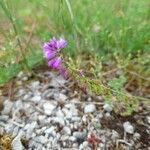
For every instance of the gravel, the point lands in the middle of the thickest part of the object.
(50, 117)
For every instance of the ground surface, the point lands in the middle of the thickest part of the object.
(45, 112)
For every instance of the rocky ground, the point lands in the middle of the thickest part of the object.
(44, 112)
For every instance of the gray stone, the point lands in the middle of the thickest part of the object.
(66, 130)
(128, 127)
(58, 81)
(79, 135)
(76, 119)
(30, 127)
(59, 120)
(85, 144)
(114, 135)
(20, 74)
(7, 107)
(36, 98)
(25, 78)
(35, 84)
(48, 108)
(148, 119)
(90, 108)
(107, 107)
(59, 113)
(16, 143)
(72, 138)
(51, 131)
(4, 118)
(136, 136)
(41, 139)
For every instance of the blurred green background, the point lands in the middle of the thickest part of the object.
(106, 28)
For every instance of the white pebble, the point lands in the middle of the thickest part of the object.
(148, 119)
(16, 143)
(48, 108)
(67, 130)
(76, 119)
(128, 127)
(7, 107)
(107, 107)
(36, 98)
(61, 97)
(59, 113)
(72, 139)
(136, 136)
(59, 120)
(41, 139)
(85, 144)
(35, 84)
(89, 108)
(79, 135)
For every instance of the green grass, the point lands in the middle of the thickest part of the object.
(105, 27)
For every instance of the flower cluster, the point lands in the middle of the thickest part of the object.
(51, 51)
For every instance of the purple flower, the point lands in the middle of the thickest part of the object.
(55, 63)
(61, 43)
(51, 50)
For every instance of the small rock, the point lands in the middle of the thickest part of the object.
(85, 144)
(59, 120)
(15, 132)
(107, 107)
(7, 107)
(81, 147)
(1, 131)
(9, 128)
(25, 78)
(35, 84)
(4, 118)
(41, 139)
(51, 131)
(136, 136)
(114, 135)
(16, 143)
(148, 119)
(57, 81)
(36, 98)
(84, 119)
(108, 115)
(72, 139)
(30, 127)
(76, 119)
(128, 127)
(20, 74)
(90, 108)
(67, 130)
(41, 118)
(79, 135)
(48, 108)
(59, 113)
(61, 97)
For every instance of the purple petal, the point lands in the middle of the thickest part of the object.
(48, 51)
(55, 63)
(53, 43)
(49, 54)
(61, 43)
